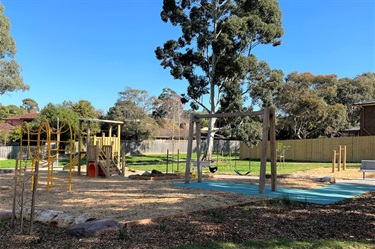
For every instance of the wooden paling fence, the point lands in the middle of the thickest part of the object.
(320, 149)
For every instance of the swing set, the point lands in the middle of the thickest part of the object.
(268, 133)
(214, 169)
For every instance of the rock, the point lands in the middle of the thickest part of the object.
(156, 172)
(54, 218)
(329, 179)
(5, 214)
(146, 173)
(6, 171)
(93, 228)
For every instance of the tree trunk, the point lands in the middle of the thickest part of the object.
(210, 140)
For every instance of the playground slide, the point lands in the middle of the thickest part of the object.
(74, 160)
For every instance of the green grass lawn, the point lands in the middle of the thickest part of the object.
(226, 164)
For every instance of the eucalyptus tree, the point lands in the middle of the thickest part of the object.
(30, 105)
(307, 104)
(10, 71)
(84, 109)
(133, 107)
(351, 91)
(214, 51)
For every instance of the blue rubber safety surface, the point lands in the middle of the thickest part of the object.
(323, 195)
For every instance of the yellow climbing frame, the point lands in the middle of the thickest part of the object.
(44, 145)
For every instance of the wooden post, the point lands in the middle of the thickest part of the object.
(107, 163)
(103, 142)
(333, 160)
(123, 164)
(15, 192)
(80, 146)
(119, 140)
(96, 154)
(344, 158)
(178, 161)
(35, 186)
(263, 161)
(110, 130)
(198, 137)
(87, 145)
(22, 200)
(339, 159)
(189, 148)
(166, 170)
(273, 150)
(230, 157)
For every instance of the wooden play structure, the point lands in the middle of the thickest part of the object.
(268, 132)
(103, 153)
(340, 158)
(43, 146)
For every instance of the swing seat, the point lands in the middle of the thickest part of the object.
(213, 169)
(239, 173)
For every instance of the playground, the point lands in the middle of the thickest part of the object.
(202, 206)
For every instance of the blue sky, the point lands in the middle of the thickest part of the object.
(92, 49)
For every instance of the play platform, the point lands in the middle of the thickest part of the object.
(323, 195)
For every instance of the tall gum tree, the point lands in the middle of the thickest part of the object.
(10, 70)
(214, 52)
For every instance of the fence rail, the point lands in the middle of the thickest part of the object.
(320, 150)
(144, 147)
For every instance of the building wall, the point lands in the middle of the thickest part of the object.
(368, 121)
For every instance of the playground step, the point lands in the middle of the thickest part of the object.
(113, 169)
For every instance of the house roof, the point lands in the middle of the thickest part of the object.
(6, 127)
(366, 103)
(26, 116)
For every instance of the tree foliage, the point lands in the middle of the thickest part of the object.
(30, 105)
(10, 70)
(58, 112)
(167, 105)
(214, 51)
(10, 110)
(307, 106)
(351, 91)
(133, 107)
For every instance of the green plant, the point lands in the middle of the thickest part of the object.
(69, 245)
(123, 234)
(216, 215)
(286, 200)
(4, 223)
(247, 210)
(264, 203)
(163, 227)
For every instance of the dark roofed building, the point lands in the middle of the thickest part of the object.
(367, 118)
(19, 119)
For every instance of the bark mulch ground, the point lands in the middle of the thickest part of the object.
(253, 219)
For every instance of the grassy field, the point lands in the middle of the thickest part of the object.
(225, 164)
